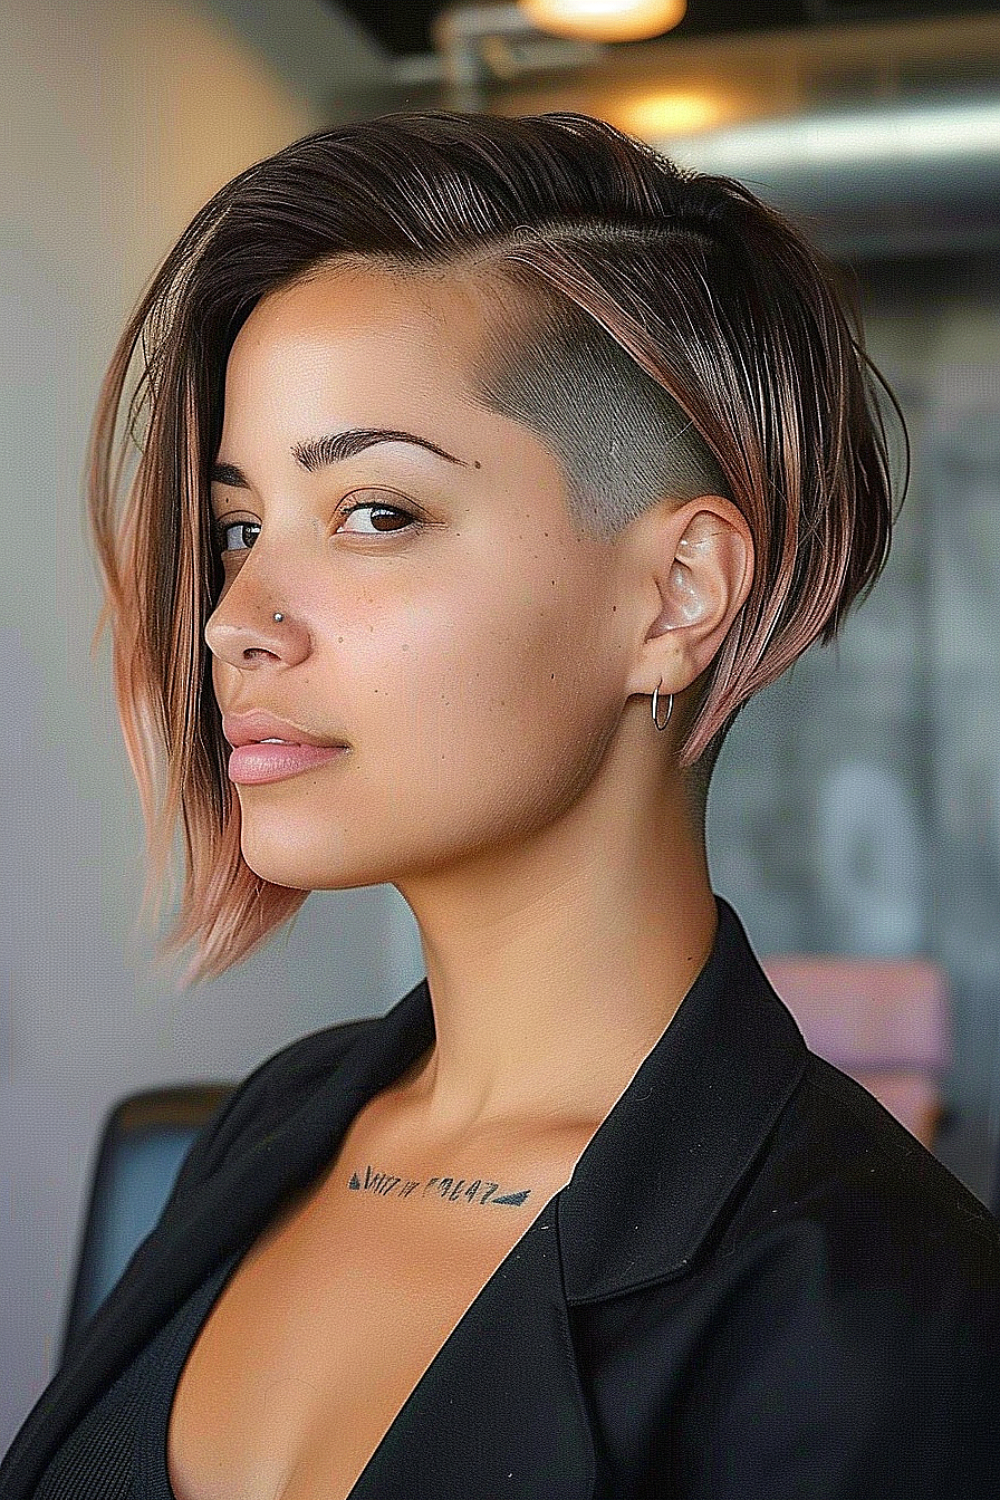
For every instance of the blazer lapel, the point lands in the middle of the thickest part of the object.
(650, 1186)
(500, 1410)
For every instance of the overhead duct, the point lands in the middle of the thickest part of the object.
(885, 138)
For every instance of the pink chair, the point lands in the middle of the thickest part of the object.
(885, 1022)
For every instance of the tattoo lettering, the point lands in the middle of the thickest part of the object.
(385, 1185)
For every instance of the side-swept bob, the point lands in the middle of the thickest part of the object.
(712, 351)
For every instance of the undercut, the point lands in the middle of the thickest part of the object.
(623, 441)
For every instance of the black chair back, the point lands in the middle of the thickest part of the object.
(145, 1138)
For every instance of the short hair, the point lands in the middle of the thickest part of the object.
(667, 332)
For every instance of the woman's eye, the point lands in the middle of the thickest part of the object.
(382, 510)
(222, 528)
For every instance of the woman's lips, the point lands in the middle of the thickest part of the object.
(250, 764)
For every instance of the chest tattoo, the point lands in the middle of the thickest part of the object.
(476, 1190)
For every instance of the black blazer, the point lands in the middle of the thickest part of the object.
(757, 1286)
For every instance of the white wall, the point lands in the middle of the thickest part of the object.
(118, 119)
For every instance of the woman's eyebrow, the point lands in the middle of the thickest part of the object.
(317, 453)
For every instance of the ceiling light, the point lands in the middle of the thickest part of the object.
(676, 112)
(605, 20)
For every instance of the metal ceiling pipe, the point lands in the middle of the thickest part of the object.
(480, 43)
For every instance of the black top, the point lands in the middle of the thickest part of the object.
(757, 1285)
(119, 1450)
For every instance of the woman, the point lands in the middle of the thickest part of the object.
(472, 443)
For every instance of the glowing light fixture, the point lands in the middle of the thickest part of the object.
(605, 20)
(672, 113)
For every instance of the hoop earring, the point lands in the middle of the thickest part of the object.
(670, 707)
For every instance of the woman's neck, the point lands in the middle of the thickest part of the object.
(549, 988)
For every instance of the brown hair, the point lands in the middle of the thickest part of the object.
(712, 351)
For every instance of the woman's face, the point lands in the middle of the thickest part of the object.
(465, 644)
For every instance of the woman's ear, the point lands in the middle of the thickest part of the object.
(702, 560)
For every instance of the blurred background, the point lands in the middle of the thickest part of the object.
(854, 816)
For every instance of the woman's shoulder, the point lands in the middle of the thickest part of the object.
(841, 1174)
(264, 1097)
(304, 1060)
(841, 1333)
